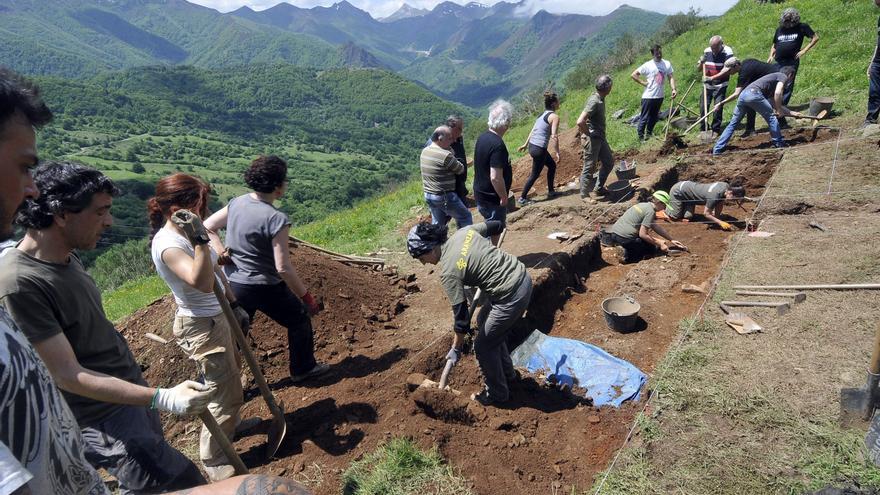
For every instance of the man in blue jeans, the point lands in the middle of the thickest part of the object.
(756, 96)
(874, 78)
(439, 171)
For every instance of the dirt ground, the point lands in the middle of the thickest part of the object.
(378, 327)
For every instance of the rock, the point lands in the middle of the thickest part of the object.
(871, 130)
(692, 289)
(593, 419)
(557, 469)
(297, 468)
(519, 439)
(532, 477)
(618, 114)
(412, 287)
(344, 295)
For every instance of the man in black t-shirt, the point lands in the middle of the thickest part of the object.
(492, 171)
(788, 39)
(874, 78)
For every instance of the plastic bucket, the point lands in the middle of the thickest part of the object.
(618, 191)
(621, 313)
(819, 104)
(625, 170)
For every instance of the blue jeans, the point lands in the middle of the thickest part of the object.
(874, 95)
(447, 206)
(750, 99)
(494, 212)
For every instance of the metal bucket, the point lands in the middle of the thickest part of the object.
(619, 191)
(621, 313)
(819, 104)
(625, 170)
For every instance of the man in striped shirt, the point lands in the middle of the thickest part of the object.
(439, 170)
(711, 64)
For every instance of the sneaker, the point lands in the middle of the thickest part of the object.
(247, 425)
(219, 472)
(484, 399)
(524, 201)
(746, 134)
(317, 370)
(517, 376)
(552, 194)
(601, 191)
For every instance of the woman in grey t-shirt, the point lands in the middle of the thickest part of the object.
(261, 275)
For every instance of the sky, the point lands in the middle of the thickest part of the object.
(382, 8)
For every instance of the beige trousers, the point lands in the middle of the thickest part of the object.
(207, 340)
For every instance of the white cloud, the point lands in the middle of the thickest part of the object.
(381, 8)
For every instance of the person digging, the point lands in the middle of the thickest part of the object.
(684, 197)
(630, 231)
(468, 258)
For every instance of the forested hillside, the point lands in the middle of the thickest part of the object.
(75, 38)
(348, 134)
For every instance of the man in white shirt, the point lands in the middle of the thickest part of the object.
(656, 72)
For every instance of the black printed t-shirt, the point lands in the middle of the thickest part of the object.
(788, 41)
(752, 70)
(490, 152)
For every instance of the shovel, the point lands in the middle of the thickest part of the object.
(858, 404)
(741, 323)
(278, 428)
(444, 377)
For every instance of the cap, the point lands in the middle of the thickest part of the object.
(731, 62)
(662, 196)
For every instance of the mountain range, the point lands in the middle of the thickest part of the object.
(468, 53)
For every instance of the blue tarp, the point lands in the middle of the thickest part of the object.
(607, 379)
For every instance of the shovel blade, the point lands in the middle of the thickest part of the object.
(853, 403)
(277, 430)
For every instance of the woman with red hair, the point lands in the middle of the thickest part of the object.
(200, 327)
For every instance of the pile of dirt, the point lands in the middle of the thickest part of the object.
(673, 143)
(752, 169)
(359, 303)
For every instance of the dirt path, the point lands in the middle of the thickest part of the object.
(379, 327)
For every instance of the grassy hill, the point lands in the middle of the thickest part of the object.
(835, 67)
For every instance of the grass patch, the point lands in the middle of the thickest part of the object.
(132, 296)
(401, 468)
(369, 225)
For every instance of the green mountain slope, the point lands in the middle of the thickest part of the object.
(836, 67)
(348, 134)
(77, 38)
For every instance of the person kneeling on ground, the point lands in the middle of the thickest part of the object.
(469, 259)
(630, 231)
(57, 305)
(261, 275)
(757, 96)
(686, 195)
(200, 327)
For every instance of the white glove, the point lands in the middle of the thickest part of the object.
(453, 355)
(244, 321)
(188, 397)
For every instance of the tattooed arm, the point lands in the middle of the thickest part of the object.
(251, 484)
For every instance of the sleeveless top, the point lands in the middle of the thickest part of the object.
(541, 130)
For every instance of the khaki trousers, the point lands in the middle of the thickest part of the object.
(207, 340)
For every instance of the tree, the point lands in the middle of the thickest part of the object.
(137, 168)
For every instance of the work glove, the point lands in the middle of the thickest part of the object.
(243, 318)
(311, 305)
(725, 226)
(188, 397)
(225, 258)
(453, 355)
(191, 225)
